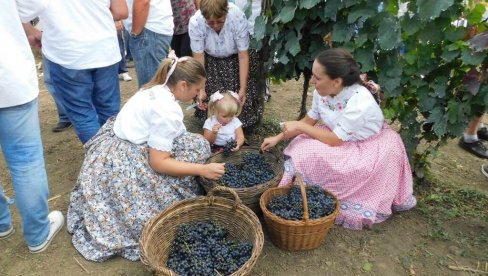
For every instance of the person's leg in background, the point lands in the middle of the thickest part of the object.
(148, 50)
(128, 55)
(77, 88)
(181, 44)
(20, 140)
(63, 120)
(471, 140)
(106, 93)
(123, 72)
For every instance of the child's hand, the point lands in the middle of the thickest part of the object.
(236, 148)
(216, 128)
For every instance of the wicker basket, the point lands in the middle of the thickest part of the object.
(295, 235)
(241, 223)
(249, 196)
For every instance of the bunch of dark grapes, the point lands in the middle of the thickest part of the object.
(253, 170)
(202, 248)
(290, 206)
(232, 143)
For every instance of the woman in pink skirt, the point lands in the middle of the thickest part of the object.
(353, 154)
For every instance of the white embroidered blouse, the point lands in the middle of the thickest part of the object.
(233, 37)
(152, 115)
(353, 114)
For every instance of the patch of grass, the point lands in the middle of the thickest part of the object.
(440, 199)
(439, 234)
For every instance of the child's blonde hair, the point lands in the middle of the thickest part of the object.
(226, 105)
(187, 69)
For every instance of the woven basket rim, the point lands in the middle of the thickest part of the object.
(311, 222)
(278, 168)
(242, 212)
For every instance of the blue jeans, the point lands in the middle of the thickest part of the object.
(122, 62)
(148, 50)
(20, 140)
(90, 96)
(128, 55)
(62, 117)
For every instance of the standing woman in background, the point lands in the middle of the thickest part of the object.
(219, 36)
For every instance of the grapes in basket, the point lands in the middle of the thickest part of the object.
(204, 248)
(253, 170)
(290, 206)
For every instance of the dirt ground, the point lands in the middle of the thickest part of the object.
(409, 243)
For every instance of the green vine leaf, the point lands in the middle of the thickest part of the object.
(431, 9)
(331, 8)
(308, 4)
(286, 14)
(471, 58)
(292, 43)
(259, 27)
(389, 34)
(365, 57)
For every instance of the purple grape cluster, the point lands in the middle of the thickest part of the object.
(232, 143)
(253, 170)
(290, 206)
(204, 248)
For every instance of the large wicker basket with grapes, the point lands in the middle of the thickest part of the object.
(241, 224)
(302, 234)
(249, 195)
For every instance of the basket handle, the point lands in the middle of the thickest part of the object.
(303, 191)
(220, 188)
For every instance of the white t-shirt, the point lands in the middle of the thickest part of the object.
(353, 114)
(18, 76)
(152, 115)
(159, 19)
(233, 37)
(79, 34)
(226, 132)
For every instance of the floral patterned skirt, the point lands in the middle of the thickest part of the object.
(223, 74)
(117, 192)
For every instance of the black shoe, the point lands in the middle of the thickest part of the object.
(483, 133)
(60, 126)
(477, 148)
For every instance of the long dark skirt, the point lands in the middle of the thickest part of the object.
(223, 74)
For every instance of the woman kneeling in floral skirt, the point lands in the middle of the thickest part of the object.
(138, 164)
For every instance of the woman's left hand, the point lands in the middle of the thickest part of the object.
(242, 96)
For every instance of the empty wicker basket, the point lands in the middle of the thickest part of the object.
(249, 196)
(295, 235)
(241, 223)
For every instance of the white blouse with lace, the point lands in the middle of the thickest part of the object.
(233, 38)
(152, 115)
(353, 114)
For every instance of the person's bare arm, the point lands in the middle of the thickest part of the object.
(270, 142)
(243, 74)
(239, 138)
(200, 57)
(162, 162)
(323, 135)
(210, 135)
(33, 35)
(119, 9)
(140, 11)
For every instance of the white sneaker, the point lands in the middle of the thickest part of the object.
(8, 233)
(125, 77)
(57, 220)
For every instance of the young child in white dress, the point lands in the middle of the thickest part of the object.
(222, 125)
